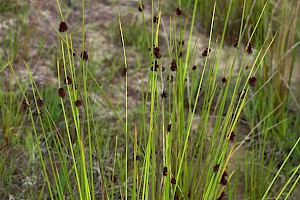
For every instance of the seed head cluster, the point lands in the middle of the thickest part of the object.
(124, 72)
(68, 80)
(252, 81)
(25, 105)
(40, 102)
(173, 180)
(78, 103)
(141, 7)
(84, 55)
(61, 92)
(206, 52)
(164, 95)
(232, 135)
(178, 11)
(216, 167)
(155, 19)
(63, 27)
(169, 128)
(221, 197)
(249, 48)
(236, 42)
(155, 66)
(156, 52)
(224, 80)
(224, 178)
(173, 65)
(170, 78)
(165, 171)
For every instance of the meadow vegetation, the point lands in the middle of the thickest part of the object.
(150, 99)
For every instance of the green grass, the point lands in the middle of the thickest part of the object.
(129, 132)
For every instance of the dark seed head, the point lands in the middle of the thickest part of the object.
(78, 103)
(155, 20)
(164, 95)
(40, 102)
(169, 128)
(252, 81)
(236, 42)
(114, 178)
(216, 167)
(180, 54)
(173, 180)
(223, 181)
(178, 11)
(39, 112)
(124, 72)
(249, 48)
(231, 137)
(221, 197)
(194, 67)
(68, 80)
(137, 157)
(25, 105)
(155, 66)
(141, 7)
(73, 52)
(63, 27)
(173, 65)
(224, 80)
(62, 92)
(181, 43)
(163, 68)
(84, 55)
(224, 174)
(205, 52)
(242, 94)
(170, 78)
(165, 171)
(156, 52)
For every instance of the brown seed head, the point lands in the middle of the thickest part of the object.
(141, 7)
(216, 167)
(223, 181)
(84, 55)
(62, 92)
(205, 52)
(173, 65)
(156, 52)
(173, 180)
(194, 67)
(231, 137)
(252, 81)
(249, 48)
(155, 20)
(164, 95)
(180, 54)
(221, 197)
(25, 105)
(165, 171)
(170, 78)
(236, 42)
(224, 80)
(178, 11)
(63, 27)
(124, 72)
(224, 174)
(68, 80)
(78, 103)
(169, 127)
(40, 102)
